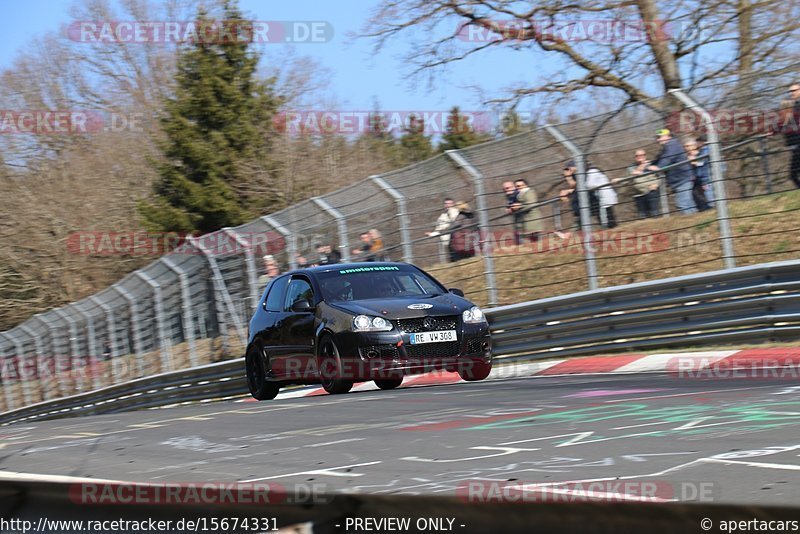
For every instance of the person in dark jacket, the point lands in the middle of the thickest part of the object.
(680, 176)
(463, 234)
(702, 192)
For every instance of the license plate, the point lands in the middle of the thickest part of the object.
(433, 337)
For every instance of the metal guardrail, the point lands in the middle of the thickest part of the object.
(756, 303)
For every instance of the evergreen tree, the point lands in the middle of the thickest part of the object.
(415, 145)
(458, 132)
(215, 126)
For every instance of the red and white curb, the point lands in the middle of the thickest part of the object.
(682, 362)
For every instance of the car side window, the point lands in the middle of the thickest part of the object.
(299, 289)
(275, 296)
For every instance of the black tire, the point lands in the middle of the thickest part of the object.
(330, 368)
(260, 388)
(475, 370)
(388, 383)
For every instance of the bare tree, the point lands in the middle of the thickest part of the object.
(647, 46)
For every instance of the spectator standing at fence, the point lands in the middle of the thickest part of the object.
(443, 222)
(792, 134)
(647, 186)
(326, 255)
(702, 192)
(680, 176)
(570, 194)
(464, 235)
(598, 182)
(511, 198)
(271, 270)
(365, 252)
(377, 245)
(527, 214)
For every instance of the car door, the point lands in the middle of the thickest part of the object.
(297, 329)
(269, 335)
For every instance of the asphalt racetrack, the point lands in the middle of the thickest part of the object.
(646, 436)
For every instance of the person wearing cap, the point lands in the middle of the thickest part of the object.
(680, 176)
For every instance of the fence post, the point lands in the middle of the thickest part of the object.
(583, 201)
(483, 221)
(92, 345)
(39, 356)
(26, 384)
(341, 224)
(73, 347)
(10, 401)
(402, 215)
(250, 265)
(291, 244)
(135, 329)
(717, 179)
(186, 308)
(158, 302)
(56, 357)
(219, 284)
(762, 149)
(111, 329)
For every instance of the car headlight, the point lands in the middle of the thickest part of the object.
(365, 323)
(473, 315)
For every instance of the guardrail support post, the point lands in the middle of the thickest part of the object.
(341, 224)
(166, 365)
(135, 329)
(73, 347)
(583, 202)
(291, 242)
(250, 265)
(483, 222)
(717, 178)
(186, 308)
(402, 215)
(219, 284)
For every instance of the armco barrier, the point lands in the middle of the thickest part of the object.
(756, 303)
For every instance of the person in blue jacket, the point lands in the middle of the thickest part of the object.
(680, 175)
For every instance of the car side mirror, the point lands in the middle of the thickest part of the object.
(302, 305)
(456, 291)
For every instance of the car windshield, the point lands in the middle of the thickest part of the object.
(378, 282)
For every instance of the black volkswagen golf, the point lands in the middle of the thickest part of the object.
(345, 323)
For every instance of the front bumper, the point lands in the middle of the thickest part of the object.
(375, 354)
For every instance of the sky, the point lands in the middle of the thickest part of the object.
(358, 78)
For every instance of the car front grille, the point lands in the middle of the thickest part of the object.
(382, 351)
(417, 324)
(433, 350)
(475, 346)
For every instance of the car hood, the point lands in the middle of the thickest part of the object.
(398, 308)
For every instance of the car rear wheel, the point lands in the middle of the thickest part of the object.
(474, 370)
(330, 369)
(388, 383)
(260, 388)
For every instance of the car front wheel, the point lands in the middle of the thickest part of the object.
(260, 388)
(474, 370)
(330, 369)
(388, 383)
